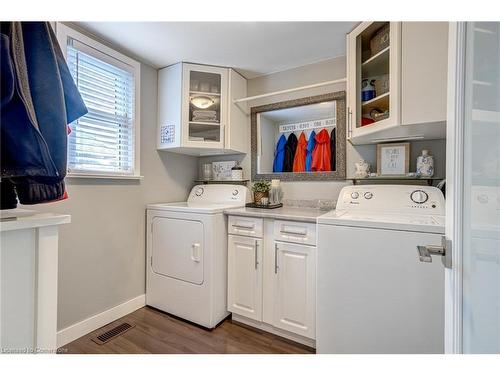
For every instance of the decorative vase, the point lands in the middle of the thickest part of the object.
(425, 164)
(258, 195)
(362, 169)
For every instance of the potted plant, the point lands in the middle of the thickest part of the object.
(260, 190)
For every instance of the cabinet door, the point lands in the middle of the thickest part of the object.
(365, 63)
(295, 288)
(204, 107)
(424, 67)
(245, 276)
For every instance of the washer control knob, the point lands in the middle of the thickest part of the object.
(419, 196)
(368, 195)
(354, 195)
(199, 192)
(235, 192)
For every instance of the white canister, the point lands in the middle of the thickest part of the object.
(425, 164)
(237, 173)
(207, 171)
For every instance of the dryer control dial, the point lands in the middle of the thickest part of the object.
(419, 196)
(235, 192)
(368, 195)
(354, 195)
(199, 192)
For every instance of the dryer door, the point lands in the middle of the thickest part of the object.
(177, 249)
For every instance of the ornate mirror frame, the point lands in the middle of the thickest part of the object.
(339, 173)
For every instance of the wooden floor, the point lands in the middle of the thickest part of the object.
(156, 332)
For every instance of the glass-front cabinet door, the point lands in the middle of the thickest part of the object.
(373, 77)
(204, 106)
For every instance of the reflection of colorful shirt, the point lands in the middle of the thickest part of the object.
(279, 155)
(321, 153)
(310, 147)
(290, 148)
(299, 161)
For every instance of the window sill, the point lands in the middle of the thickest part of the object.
(104, 176)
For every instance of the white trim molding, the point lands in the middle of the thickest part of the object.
(454, 185)
(77, 330)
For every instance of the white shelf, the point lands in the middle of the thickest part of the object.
(381, 100)
(205, 123)
(204, 93)
(377, 65)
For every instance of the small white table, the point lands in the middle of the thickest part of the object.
(28, 280)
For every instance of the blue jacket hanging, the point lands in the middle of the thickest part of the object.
(310, 147)
(38, 100)
(279, 154)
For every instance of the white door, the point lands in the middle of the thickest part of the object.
(473, 194)
(244, 286)
(295, 288)
(174, 255)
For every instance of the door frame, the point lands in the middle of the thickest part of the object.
(454, 184)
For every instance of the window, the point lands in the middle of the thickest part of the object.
(104, 142)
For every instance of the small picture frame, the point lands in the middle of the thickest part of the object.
(393, 159)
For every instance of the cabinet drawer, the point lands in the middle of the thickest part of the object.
(296, 232)
(245, 226)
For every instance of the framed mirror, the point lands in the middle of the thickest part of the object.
(300, 140)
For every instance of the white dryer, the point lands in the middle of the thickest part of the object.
(187, 253)
(374, 295)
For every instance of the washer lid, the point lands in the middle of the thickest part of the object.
(394, 221)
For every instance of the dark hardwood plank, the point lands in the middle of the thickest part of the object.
(158, 333)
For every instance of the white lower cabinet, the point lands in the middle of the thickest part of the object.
(244, 287)
(295, 288)
(271, 282)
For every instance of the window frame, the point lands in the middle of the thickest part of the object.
(63, 32)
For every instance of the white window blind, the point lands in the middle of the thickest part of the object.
(102, 141)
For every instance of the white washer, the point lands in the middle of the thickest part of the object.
(373, 293)
(187, 253)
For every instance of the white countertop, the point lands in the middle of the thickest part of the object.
(22, 219)
(285, 213)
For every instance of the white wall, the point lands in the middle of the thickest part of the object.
(322, 71)
(326, 70)
(102, 252)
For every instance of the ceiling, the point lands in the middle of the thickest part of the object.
(252, 48)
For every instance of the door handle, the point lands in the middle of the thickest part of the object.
(256, 246)
(425, 252)
(349, 121)
(276, 258)
(196, 252)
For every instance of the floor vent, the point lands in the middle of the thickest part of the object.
(103, 338)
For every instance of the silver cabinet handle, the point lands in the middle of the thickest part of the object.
(249, 227)
(276, 258)
(349, 121)
(256, 246)
(293, 232)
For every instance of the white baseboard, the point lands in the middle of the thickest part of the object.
(276, 331)
(77, 330)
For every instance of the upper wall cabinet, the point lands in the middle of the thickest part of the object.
(196, 113)
(397, 74)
